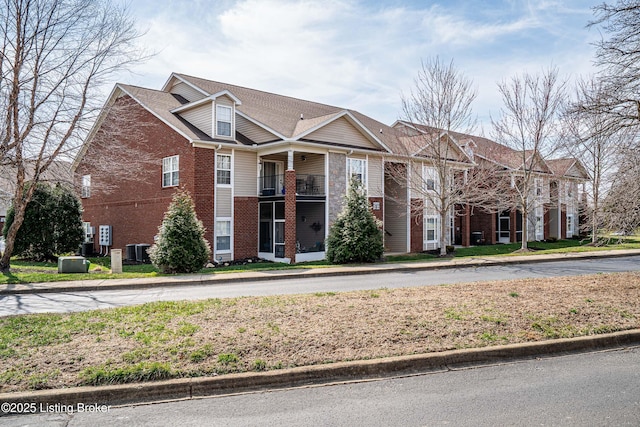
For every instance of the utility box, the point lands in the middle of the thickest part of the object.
(73, 264)
(116, 261)
(105, 235)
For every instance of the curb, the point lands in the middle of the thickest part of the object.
(312, 273)
(190, 388)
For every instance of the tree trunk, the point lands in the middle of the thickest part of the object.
(525, 230)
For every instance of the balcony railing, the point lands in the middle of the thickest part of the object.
(306, 185)
(310, 185)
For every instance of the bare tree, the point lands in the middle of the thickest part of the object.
(529, 124)
(618, 57)
(437, 114)
(621, 206)
(56, 57)
(595, 139)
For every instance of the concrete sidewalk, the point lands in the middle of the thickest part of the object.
(221, 277)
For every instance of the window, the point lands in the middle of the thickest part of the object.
(223, 236)
(538, 183)
(539, 230)
(223, 169)
(357, 168)
(170, 171)
(431, 228)
(569, 225)
(223, 120)
(430, 178)
(569, 190)
(86, 186)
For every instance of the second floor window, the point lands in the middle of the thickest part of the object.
(86, 186)
(170, 171)
(357, 168)
(223, 169)
(223, 120)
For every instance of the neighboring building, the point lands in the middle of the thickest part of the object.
(554, 197)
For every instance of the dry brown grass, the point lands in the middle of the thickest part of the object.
(257, 333)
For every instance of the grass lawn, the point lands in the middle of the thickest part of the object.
(185, 339)
(32, 272)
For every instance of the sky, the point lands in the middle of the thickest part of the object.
(361, 55)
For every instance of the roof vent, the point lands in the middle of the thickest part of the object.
(301, 116)
(380, 130)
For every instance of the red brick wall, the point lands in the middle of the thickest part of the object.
(484, 222)
(245, 239)
(379, 214)
(290, 215)
(135, 208)
(417, 225)
(547, 225)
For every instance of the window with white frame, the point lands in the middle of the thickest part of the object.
(357, 168)
(431, 228)
(170, 171)
(431, 180)
(569, 225)
(86, 186)
(223, 169)
(223, 235)
(223, 120)
(538, 183)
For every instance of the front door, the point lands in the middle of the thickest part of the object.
(504, 229)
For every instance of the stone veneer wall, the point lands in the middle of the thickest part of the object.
(337, 184)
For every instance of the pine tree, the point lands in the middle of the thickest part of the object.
(356, 235)
(181, 246)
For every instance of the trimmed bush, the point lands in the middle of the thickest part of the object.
(52, 223)
(356, 235)
(181, 246)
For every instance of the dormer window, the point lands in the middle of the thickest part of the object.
(223, 120)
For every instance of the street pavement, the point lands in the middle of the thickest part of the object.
(193, 388)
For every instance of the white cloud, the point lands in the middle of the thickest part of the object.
(355, 55)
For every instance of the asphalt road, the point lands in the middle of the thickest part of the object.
(81, 301)
(593, 389)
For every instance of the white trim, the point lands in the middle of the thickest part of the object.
(224, 251)
(230, 156)
(310, 256)
(231, 121)
(263, 126)
(350, 117)
(165, 87)
(171, 171)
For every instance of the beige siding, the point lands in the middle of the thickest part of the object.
(245, 173)
(186, 92)
(395, 216)
(312, 165)
(223, 202)
(253, 132)
(341, 131)
(375, 173)
(200, 117)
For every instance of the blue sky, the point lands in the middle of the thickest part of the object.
(361, 54)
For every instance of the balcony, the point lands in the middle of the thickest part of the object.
(306, 185)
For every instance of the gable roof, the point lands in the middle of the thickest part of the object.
(289, 117)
